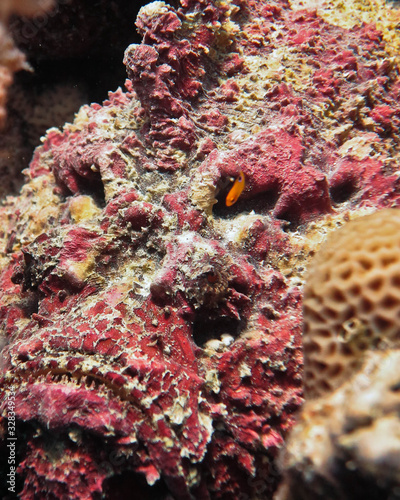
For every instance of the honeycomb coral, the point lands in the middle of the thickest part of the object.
(345, 444)
(351, 299)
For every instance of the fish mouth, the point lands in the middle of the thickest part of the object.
(127, 380)
(85, 387)
(105, 397)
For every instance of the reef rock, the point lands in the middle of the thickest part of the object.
(151, 334)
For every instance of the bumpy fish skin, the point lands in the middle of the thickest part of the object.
(152, 337)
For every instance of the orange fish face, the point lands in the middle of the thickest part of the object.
(236, 190)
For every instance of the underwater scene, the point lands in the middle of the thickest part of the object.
(199, 250)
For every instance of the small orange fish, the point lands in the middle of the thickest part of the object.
(236, 190)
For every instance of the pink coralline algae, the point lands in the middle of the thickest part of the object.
(151, 334)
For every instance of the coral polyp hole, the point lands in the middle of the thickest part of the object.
(366, 306)
(382, 324)
(376, 283)
(366, 264)
(330, 313)
(335, 370)
(389, 302)
(206, 329)
(313, 316)
(346, 273)
(337, 295)
(320, 366)
(346, 350)
(324, 386)
(312, 347)
(331, 348)
(343, 191)
(309, 375)
(354, 291)
(388, 260)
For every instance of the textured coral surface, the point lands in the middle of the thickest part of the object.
(345, 444)
(151, 334)
(351, 299)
